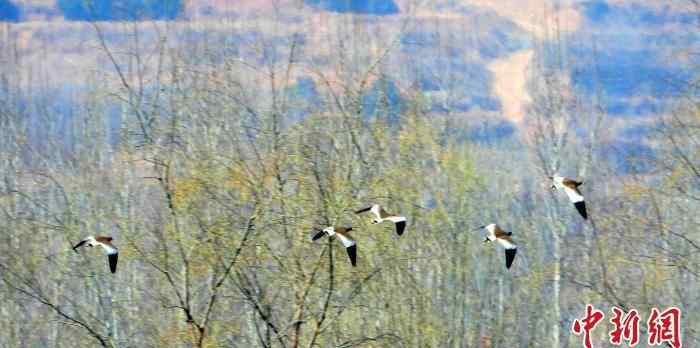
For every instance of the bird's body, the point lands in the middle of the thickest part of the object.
(381, 215)
(497, 235)
(342, 233)
(570, 187)
(106, 243)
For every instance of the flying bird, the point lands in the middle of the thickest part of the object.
(104, 242)
(570, 186)
(342, 234)
(496, 234)
(381, 215)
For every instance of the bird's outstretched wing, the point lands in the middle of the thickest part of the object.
(510, 256)
(81, 243)
(574, 194)
(317, 235)
(400, 223)
(350, 246)
(510, 248)
(352, 254)
(581, 207)
(363, 210)
(112, 258)
(347, 241)
(577, 199)
(112, 255)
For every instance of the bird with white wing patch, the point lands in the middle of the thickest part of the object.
(342, 234)
(106, 243)
(381, 215)
(503, 238)
(570, 187)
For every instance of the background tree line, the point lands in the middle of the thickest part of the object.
(210, 163)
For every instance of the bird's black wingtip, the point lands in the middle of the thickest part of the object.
(400, 227)
(317, 235)
(581, 207)
(113, 262)
(352, 253)
(363, 210)
(75, 248)
(510, 256)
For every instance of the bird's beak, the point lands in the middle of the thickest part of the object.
(479, 228)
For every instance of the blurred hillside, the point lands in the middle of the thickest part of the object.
(469, 58)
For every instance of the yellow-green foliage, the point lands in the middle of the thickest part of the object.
(253, 169)
(185, 191)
